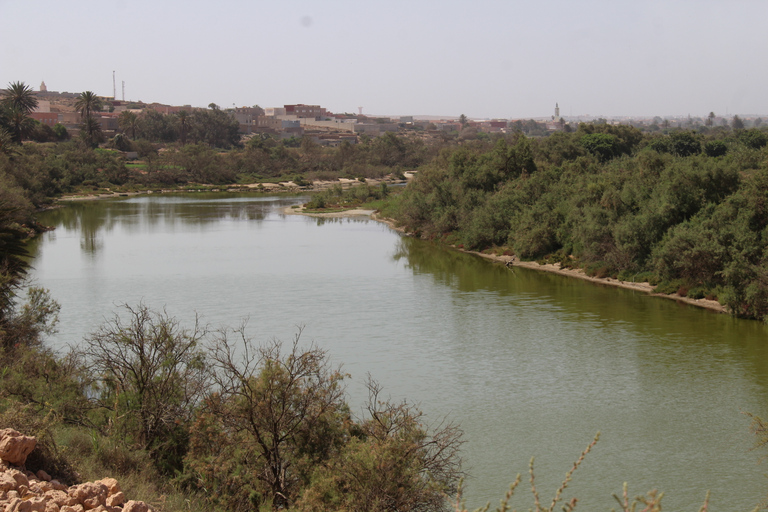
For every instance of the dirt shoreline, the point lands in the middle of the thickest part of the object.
(645, 287)
(290, 210)
(287, 187)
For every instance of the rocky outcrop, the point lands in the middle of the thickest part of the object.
(15, 447)
(24, 491)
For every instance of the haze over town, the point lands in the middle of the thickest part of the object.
(485, 59)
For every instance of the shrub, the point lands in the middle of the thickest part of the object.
(668, 287)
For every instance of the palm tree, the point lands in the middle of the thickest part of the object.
(18, 123)
(184, 120)
(6, 141)
(13, 254)
(128, 122)
(90, 131)
(16, 103)
(87, 103)
(20, 96)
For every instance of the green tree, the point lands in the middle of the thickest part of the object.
(463, 121)
(13, 250)
(715, 148)
(603, 145)
(710, 119)
(6, 141)
(286, 406)
(216, 128)
(155, 127)
(128, 122)
(19, 96)
(90, 130)
(87, 103)
(17, 102)
(737, 123)
(753, 138)
(149, 374)
(20, 125)
(184, 120)
(61, 131)
(393, 462)
(685, 143)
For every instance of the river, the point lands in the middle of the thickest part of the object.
(529, 364)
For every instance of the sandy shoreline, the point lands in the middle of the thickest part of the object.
(346, 213)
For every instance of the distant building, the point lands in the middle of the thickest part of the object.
(47, 118)
(247, 118)
(301, 110)
(43, 87)
(43, 106)
(374, 129)
(557, 123)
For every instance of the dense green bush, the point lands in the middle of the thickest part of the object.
(668, 209)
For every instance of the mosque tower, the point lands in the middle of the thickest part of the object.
(557, 112)
(43, 87)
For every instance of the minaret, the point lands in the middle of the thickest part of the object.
(557, 112)
(43, 87)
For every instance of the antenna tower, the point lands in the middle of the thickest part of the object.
(114, 88)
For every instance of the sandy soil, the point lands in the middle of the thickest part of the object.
(346, 213)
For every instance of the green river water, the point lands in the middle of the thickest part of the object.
(529, 364)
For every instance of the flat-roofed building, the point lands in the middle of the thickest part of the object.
(301, 110)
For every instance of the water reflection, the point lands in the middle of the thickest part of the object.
(92, 219)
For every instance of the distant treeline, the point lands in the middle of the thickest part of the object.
(43, 171)
(686, 211)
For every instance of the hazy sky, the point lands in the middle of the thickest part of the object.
(483, 58)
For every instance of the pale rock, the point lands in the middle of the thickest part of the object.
(42, 486)
(136, 506)
(13, 494)
(31, 505)
(21, 478)
(115, 500)
(51, 506)
(58, 486)
(72, 508)
(7, 482)
(42, 475)
(38, 504)
(15, 447)
(17, 505)
(90, 494)
(60, 498)
(111, 485)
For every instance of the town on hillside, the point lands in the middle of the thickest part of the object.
(330, 129)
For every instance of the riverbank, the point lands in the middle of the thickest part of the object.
(301, 210)
(282, 187)
(512, 261)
